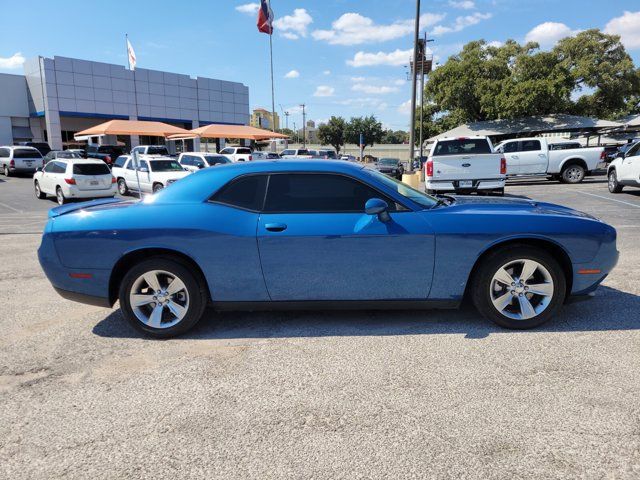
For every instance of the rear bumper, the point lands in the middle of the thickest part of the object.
(83, 298)
(454, 185)
(72, 191)
(31, 170)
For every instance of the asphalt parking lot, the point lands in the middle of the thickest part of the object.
(436, 394)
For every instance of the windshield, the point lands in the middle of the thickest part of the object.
(216, 160)
(157, 151)
(388, 161)
(166, 166)
(404, 189)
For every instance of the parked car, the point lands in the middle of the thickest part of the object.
(296, 153)
(194, 161)
(72, 178)
(80, 151)
(106, 153)
(257, 155)
(533, 157)
(624, 171)
(42, 147)
(301, 234)
(327, 154)
(151, 150)
(19, 160)
(60, 154)
(153, 173)
(464, 165)
(237, 154)
(390, 166)
(348, 158)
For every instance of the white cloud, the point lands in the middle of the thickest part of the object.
(358, 79)
(547, 34)
(460, 24)
(294, 26)
(364, 102)
(462, 4)
(355, 29)
(399, 82)
(327, 72)
(14, 61)
(373, 89)
(396, 58)
(628, 27)
(324, 91)
(405, 108)
(248, 8)
(292, 74)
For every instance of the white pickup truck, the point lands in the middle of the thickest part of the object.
(464, 165)
(537, 157)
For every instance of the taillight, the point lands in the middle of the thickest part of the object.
(113, 180)
(603, 155)
(70, 181)
(107, 159)
(429, 166)
(503, 166)
(250, 158)
(12, 163)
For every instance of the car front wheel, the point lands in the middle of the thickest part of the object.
(60, 196)
(518, 287)
(573, 174)
(157, 187)
(614, 186)
(162, 297)
(122, 187)
(39, 193)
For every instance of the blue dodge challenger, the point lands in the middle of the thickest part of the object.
(318, 234)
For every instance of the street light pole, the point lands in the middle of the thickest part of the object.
(304, 127)
(414, 78)
(422, 59)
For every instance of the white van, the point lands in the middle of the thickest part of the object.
(19, 160)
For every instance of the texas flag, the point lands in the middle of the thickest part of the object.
(265, 17)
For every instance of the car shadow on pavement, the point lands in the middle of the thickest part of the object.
(515, 182)
(610, 310)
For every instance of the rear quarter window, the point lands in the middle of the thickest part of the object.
(461, 146)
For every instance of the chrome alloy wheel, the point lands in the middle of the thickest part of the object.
(574, 174)
(521, 289)
(159, 299)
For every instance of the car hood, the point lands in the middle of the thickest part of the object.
(513, 204)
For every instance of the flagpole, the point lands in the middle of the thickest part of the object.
(273, 100)
(136, 161)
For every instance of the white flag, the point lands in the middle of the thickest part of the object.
(132, 55)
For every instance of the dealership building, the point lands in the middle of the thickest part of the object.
(57, 97)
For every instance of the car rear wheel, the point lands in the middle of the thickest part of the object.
(157, 187)
(60, 196)
(573, 174)
(7, 172)
(162, 297)
(519, 287)
(614, 186)
(39, 193)
(122, 187)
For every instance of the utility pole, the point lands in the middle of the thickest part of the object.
(412, 134)
(304, 127)
(423, 51)
(286, 116)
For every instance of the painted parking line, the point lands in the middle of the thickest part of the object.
(9, 207)
(610, 199)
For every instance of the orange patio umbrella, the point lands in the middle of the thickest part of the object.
(230, 131)
(133, 127)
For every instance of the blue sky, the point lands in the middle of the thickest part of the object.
(339, 57)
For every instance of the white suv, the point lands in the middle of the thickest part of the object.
(154, 173)
(624, 171)
(237, 154)
(19, 160)
(194, 161)
(74, 178)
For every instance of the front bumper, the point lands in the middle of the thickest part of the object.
(454, 185)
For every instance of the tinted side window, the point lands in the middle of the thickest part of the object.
(4, 153)
(227, 150)
(530, 146)
(510, 147)
(186, 160)
(244, 192)
(130, 165)
(120, 161)
(633, 151)
(49, 167)
(244, 151)
(318, 193)
(59, 167)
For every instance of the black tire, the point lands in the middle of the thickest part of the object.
(196, 289)
(499, 192)
(7, 172)
(481, 285)
(39, 193)
(122, 187)
(614, 186)
(157, 187)
(60, 196)
(573, 173)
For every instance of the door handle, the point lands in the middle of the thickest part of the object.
(541, 155)
(466, 157)
(515, 156)
(275, 227)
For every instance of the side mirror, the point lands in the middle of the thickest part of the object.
(39, 169)
(201, 165)
(143, 169)
(620, 155)
(376, 206)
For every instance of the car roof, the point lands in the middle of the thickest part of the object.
(81, 160)
(294, 166)
(22, 147)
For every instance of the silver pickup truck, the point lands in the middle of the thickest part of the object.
(537, 157)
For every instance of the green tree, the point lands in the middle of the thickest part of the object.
(333, 133)
(398, 136)
(368, 126)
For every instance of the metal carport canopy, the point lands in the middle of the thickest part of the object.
(131, 127)
(229, 131)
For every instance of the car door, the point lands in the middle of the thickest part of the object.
(145, 174)
(58, 173)
(533, 157)
(629, 168)
(46, 180)
(510, 151)
(229, 152)
(317, 243)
